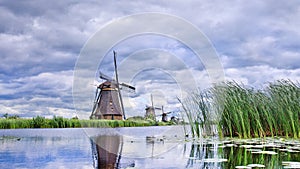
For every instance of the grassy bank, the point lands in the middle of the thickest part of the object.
(244, 112)
(60, 122)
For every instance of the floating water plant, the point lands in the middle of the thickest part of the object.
(264, 152)
(291, 164)
(214, 160)
(256, 165)
(240, 167)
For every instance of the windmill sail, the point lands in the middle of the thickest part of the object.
(118, 85)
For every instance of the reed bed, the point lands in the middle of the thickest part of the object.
(60, 122)
(244, 112)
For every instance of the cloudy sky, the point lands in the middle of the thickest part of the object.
(41, 42)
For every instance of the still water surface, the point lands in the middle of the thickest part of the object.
(142, 147)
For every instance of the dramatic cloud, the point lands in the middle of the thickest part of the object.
(257, 42)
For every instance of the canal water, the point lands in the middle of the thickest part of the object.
(141, 147)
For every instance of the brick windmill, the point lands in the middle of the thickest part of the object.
(108, 103)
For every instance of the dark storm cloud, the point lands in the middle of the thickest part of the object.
(258, 33)
(42, 36)
(40, 41)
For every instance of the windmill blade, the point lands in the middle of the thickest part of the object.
(105, 77)
(94, 108)
(96, 101)
(96, 94)
(99, 94)
(151, 100)
(164, 113)
(118, 84)
(128, 86)
(157, 108)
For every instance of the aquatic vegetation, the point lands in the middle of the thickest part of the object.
(197, 108)
(15, 123)
(211, 152)
(256, 165)
(60, 122)
(39, 122)
(273, 111)
(2, 138)
(291, 164)
(240, 111)
(269, 154)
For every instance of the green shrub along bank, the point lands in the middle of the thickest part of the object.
(60, 122)
(239, 111)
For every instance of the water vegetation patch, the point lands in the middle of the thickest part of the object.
(60, 122)
(235, 110)
(214, 153)
(9, 138)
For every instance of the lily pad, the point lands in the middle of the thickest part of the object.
(284, 149)
(291, 164)
(264, 152)
(246, 146)
(254, 150)
(243, 167)
(293, 151)
(259, 146)
(230, 145)
(193, 158)
(270, 145)
(256, 165)
(226, 141)
(214, 160)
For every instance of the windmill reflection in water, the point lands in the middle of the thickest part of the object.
(107, 152)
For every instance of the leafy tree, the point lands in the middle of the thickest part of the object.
(14, 117)
(5, 115)
(75, 118)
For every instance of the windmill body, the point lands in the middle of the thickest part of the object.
(164, 117)
(108, 103)
(150, 112)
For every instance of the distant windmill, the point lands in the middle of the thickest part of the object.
(163, 115)
(108, 103)
(150, 110)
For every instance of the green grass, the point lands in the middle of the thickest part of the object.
(244, 112)
(60, 122)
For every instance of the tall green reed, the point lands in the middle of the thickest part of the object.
(198, 110)
(285, 96)
(246, 112)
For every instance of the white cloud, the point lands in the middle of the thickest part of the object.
(258, 76)
(38, 95)
(257, 41)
